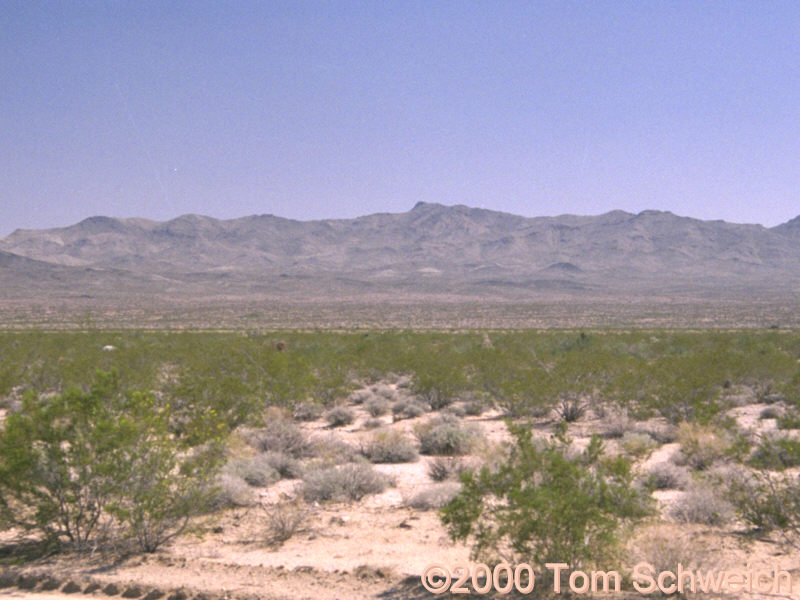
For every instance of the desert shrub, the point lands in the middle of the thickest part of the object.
(456, 410)
(280, 435)
(663, 433)
(702, 445)
(285, 465)
(441, 468)
(445, 436)
(330, 450)
(770, 412)
(347, 482)
(340, 416)
(384, 391)
(702, 504)
(664, 548)
(255, 470)
(71, 462)
(776, 452)
(571, 408)
(374, 423)
(407, 408)
(434, 496)
(377, 407)
(616, 426)
(474, 408)
(360, 396)
(544, 506)
(283, 521)
(768, 502)
(307, 411)
(232, 491)
(666, 476)
(390, 447)
(638, 444)
(790, 419)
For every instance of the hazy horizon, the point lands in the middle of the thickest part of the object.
(146, 218)
(311, 110)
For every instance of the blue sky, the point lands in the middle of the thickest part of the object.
(338, 109)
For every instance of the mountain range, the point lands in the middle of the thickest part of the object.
(430, 250)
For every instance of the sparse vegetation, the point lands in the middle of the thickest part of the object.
(703, 504)
(434, 496)
(348, 482)
(390, 447)
(284, 521)
(441, 468)
(544, 505)
(444, 435)
(340, 416)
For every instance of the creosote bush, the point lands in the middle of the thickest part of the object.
(70, 464)
(768, 502)
(776, 452)
(542, 505)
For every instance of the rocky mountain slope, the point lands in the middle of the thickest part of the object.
(429, 249)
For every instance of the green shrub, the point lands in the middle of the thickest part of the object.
(390, 447)
(71, 462)
(544, 506)
(776, 452)
(768, 502)
(789, 420)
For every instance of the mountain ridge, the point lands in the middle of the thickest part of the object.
(431, 248)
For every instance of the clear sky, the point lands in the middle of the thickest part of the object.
(338, 109)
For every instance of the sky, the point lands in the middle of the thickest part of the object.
(319, 109)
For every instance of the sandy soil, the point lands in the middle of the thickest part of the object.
(375, 548)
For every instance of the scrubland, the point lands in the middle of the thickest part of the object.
(325, 465)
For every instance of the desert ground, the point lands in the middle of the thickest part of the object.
(377, 546)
